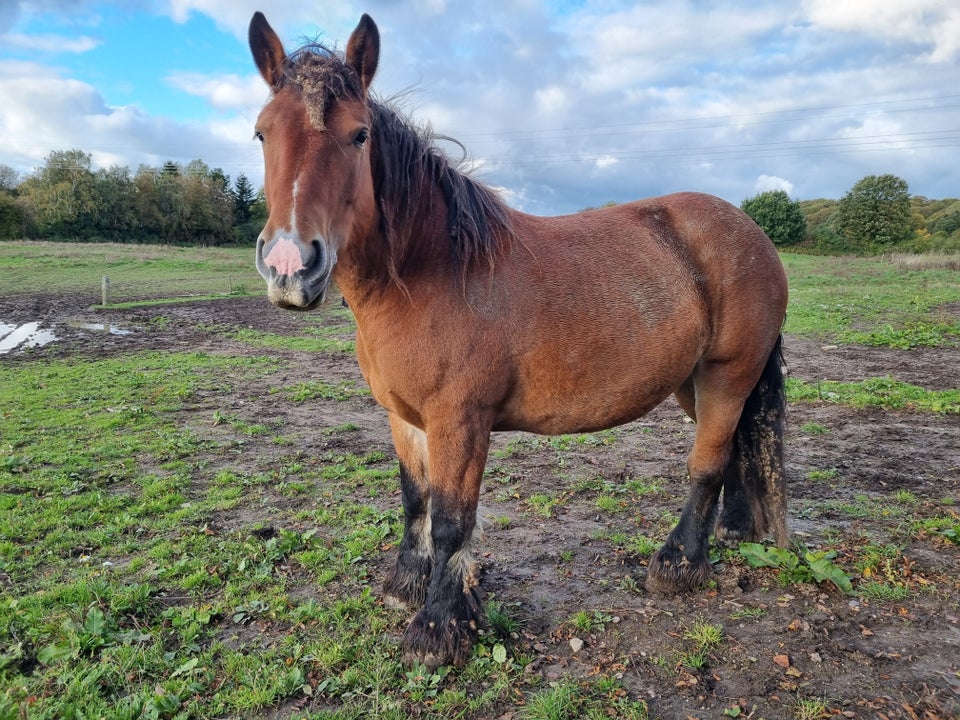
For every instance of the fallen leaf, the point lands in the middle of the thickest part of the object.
(782, 660)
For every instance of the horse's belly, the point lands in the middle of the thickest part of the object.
(589, 401)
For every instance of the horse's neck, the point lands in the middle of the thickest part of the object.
(374, 266)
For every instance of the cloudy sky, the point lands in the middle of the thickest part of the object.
(563, 104)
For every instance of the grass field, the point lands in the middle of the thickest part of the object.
(136, 272)
(873, 301)
(124, 592)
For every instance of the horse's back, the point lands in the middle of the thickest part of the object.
(610, 310)
(684, 248)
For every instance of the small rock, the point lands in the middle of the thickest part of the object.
(576, 644)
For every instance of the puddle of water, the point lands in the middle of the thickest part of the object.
(28, 335)
(32, 335)
(103, 327)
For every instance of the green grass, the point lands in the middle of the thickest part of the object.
(136, 272)
(568, 700)
(318, 341)
(885, 393)
(322, 390)
(872, 301)
(122, 597)
(151, 567)
(542, 504)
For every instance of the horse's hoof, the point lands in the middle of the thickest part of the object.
(671, 572)
(434, 642)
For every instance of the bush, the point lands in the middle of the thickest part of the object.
(778, 216)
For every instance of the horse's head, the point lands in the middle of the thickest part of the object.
(315, 131)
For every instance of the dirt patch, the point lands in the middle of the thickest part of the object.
(862, 479)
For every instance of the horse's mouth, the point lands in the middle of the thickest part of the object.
(297, 296)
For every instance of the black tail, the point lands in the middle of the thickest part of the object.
(759, 451)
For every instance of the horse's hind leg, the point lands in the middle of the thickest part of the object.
(754, 494)
(683, 562)
(736, 517)
(406, 583)
(754, 491)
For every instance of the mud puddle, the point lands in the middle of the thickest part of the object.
(30, 334)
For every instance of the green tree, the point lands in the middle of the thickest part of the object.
(778, 215)
(876, 214)
(61, 196)
(11, 217)
(170, 205)
(116, 217)
(242, 199)
(146, 204)
(9, 179)
(11, 214)
(208, 205)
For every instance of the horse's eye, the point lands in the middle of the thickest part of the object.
(258, 135)
(362, 136)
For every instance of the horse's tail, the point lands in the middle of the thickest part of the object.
(759, 450)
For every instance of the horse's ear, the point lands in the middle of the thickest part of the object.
(363, 50)
(267, 50)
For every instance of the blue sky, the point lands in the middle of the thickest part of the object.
(560, 105)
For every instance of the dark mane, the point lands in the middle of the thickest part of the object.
(405, 162)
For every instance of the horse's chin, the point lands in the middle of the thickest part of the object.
(296, 298)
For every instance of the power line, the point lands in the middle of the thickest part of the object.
(914, 140)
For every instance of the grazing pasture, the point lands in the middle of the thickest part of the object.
(199, 502)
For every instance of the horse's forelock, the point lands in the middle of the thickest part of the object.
(321, 75)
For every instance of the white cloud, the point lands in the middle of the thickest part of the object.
(233, 16)
(605, 161)
(651, 40)
(551, 100)
(50, 43)
(926, 22)
(607, 101)
(224, 92)
(43, 111)
(772, 182)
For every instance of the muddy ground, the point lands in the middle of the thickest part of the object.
(783, 643)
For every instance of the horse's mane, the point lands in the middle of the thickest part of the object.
(406, 161)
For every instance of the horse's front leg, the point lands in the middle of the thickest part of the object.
(405, 586)
(444, 630)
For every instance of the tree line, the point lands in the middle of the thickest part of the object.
(66, 199)
(194, 204)
(876, 215)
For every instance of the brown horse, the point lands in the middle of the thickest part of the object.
(473, 317)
